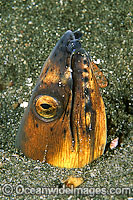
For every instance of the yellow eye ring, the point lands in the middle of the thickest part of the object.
(46, 106)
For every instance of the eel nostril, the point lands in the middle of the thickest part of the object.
(77, 34)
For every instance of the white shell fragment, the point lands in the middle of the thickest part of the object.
(24, 104)
(97, 61)
(114, 143)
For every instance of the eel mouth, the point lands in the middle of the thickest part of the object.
(72, 47)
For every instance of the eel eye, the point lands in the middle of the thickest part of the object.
(46, 106)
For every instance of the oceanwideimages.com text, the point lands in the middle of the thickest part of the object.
(9, 189)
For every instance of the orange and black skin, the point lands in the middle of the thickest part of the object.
(65, 122)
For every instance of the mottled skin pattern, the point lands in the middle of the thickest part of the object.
(76, 134)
